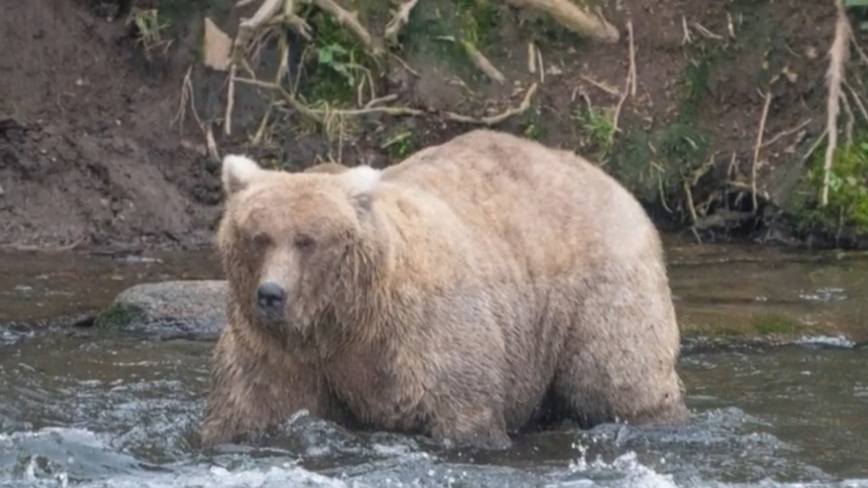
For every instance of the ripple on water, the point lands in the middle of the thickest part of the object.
(10, 334)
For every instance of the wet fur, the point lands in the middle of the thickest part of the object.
(474, 288)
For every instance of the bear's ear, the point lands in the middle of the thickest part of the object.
(238, 172)
(362, 180)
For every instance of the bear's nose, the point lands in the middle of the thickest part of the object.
(270, 295)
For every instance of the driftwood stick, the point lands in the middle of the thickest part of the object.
(574, 18)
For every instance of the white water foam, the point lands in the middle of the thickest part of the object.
(831, 341)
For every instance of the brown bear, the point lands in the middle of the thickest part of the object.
(461, 294)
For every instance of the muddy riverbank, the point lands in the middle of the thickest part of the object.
(102, 131)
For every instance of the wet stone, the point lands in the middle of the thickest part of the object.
(193, 309)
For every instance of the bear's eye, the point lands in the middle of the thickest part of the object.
(259, 240)
(304, 242)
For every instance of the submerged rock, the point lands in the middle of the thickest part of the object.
(192, 308)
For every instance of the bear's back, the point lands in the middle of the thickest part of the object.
(546, 203)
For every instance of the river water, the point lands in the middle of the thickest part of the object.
(81, 407)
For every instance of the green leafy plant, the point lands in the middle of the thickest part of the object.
(478, 20)
(339, 60)
(339, 63)
(861, 5)
(533, 131)
(149, 29)
(848, 186)
(848, 192)
(599, 123)
(399, 146)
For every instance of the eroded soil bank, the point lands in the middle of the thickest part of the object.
(103, 143)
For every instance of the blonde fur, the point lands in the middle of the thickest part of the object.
(362, 179)
(488, 284)
(238, 171)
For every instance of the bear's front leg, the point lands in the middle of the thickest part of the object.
(253, 391)
(479, 426)
(466, 406)
(464, 401)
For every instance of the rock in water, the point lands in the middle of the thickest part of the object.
(191, 308)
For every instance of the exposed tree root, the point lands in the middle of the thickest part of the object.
(288, 97)
(296, 23)
(246, 30)
(496, 119)
(857, 100)
(602, 86)
(572, 17)
(477, 58)
(263, 125)
(691, 181)
(835, 74)
(785, 133)
(848, 125)
(686, 38)
(317, 115)
(186, 95)
(211, 144)
(757, 146)
(859, 50)
(327, 116)
(531, 58)
(481, 62)
(630, 83)
(230, 100)
(541, 64)
(401, 18)
(813, 148)
(705, 32)
(730, 28)
(634, 75)
(277, 14)
(350, 20)
(248, 27)
(406, 66)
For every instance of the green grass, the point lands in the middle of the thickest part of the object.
(118, 315)
(599, 124)
(712, 330)
(776, 324)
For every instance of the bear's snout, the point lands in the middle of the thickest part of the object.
(271, 297)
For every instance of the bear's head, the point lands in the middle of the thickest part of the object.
(290, 242)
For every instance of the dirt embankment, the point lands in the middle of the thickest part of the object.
(87, 153)
(95, 149)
